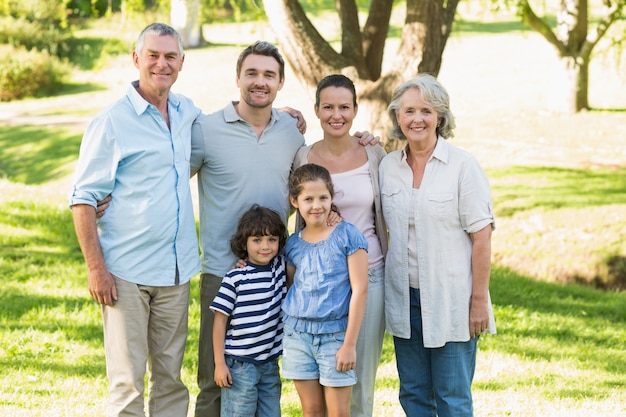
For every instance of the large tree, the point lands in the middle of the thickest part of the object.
(574, 41)
(426, 28)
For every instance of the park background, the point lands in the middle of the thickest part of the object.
(559, 187)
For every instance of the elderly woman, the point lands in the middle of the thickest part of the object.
(437, 205)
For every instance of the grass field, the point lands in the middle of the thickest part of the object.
(560, 193)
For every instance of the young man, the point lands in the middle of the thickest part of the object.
(142, 254)
(243, 156)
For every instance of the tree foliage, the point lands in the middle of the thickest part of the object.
(45, 13)
(231, 10)
(100, 8)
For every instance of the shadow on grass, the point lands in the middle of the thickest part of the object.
(68, 89)
(551, 322)
(469, 27)
(89, 366)
(24, 311)
(522, 188)
(41, 237)
(607, 110)
(487, 27)
(40, 259)
(35, 155)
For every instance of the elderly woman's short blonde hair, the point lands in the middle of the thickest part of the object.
(434, 94)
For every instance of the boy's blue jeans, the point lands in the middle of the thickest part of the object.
(255, 390)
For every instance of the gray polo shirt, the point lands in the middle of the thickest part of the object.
(236, 170)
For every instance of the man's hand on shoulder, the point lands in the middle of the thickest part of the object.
(296, 114)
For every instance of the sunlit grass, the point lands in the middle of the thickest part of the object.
(35, 155)
(550, 188)
(559, 348)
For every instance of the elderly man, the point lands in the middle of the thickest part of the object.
(142, 254)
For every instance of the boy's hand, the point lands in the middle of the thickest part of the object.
(222, 376)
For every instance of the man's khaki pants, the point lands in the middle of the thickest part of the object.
(147, 326)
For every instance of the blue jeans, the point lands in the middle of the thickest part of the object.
(434, 381)
(255, 391)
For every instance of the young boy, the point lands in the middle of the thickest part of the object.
(248, 328)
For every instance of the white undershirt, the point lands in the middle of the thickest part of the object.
(414, 274)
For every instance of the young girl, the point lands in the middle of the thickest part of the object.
(324, 306)
(247, 330)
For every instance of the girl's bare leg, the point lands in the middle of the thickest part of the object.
(338, 401)
(311, 395)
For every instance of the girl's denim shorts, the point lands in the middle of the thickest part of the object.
(307, 356)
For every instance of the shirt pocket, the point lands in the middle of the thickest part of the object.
(390, 199)
(441, 205)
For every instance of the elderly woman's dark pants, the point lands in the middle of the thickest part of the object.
(434, 381)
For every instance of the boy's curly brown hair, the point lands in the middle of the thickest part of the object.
(257, 221)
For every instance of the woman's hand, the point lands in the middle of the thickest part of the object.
(334, 218)
(366, 138)
(479, 316)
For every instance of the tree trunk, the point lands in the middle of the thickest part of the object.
(184, 18)
(311, 57)
(426, 30)
(424, 36)
(577, 76)
(572, 28)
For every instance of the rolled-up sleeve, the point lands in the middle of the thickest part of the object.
(475, 204)
(97, 164)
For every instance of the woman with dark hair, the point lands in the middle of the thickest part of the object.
(354, 172)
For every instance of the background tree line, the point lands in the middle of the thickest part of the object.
(573, 27)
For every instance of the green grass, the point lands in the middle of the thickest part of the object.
(562, 224)
(35, 155)
(520, 188)
(560, 343)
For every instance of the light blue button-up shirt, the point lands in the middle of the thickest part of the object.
(128, 151)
